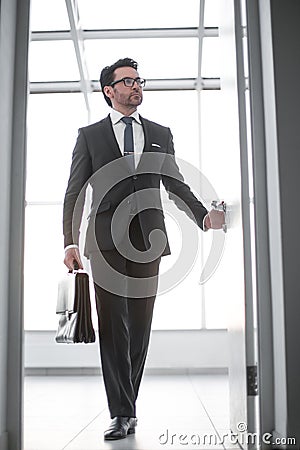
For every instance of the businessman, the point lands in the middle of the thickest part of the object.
(139, 155)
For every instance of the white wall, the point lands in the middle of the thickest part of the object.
(190, 350)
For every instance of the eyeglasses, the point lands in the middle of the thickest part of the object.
(129, 82)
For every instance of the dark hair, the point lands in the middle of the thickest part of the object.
(107, 74)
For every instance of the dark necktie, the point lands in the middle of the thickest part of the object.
(128, 142)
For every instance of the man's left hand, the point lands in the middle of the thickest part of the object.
(215, 219)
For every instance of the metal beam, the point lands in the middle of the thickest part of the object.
(200, 38)
(79, 50)
(125, 34)
(199, 87)
(152, 85)
(211, 84)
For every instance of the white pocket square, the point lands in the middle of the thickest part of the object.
(155, 145)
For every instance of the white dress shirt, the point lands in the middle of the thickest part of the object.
(138, 133)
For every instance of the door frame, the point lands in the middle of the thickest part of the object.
(14, 28)
(269, 273)
(265, 192)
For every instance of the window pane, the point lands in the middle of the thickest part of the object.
(43, 265)
(213, 157)
(52, 61)
(157, 14)
(53, 121)
(212, 13)
(211, 57)
(181, 307)
(179, 111)
(153, 56)
(48, 15)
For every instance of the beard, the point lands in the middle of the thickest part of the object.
(135, 99)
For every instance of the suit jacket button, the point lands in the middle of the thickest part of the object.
(135, 177)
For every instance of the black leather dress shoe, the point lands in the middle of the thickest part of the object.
(120, 427)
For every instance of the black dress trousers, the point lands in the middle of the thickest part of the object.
(124, 327)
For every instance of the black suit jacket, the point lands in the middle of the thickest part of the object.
(97, 160)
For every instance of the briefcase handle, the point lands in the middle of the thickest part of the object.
(75, 266)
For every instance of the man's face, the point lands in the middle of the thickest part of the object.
(122, 96)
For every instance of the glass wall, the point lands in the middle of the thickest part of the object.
(178, 54)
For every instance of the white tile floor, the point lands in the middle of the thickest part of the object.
(174, 412)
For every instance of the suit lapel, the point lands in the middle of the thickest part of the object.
(144, 161)
(110, 137)
(112, 142)
(147, 143)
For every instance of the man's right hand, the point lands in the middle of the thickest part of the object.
(71, 255)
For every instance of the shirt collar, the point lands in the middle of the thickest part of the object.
(116, 116)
